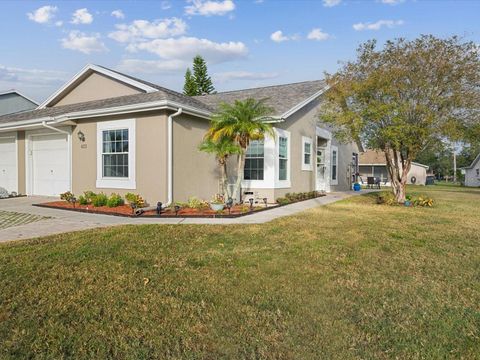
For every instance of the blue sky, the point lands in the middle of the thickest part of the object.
(247, 43)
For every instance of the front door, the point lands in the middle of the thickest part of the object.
(321, 169)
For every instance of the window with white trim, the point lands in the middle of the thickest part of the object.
(334, 165)
(115, 153)
(254, 161)
(282, 158)
(306, 153)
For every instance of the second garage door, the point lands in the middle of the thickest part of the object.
(50, 164)
(8, 163)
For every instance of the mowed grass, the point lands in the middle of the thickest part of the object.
(352, 280)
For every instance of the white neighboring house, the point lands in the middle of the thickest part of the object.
(472, 173)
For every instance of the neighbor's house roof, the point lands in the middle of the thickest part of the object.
(14, 91)
(473, 163)
(284, 99)
(377, 157)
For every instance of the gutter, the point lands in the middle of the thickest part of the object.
(44, 124)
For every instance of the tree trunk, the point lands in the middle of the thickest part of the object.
(240, 169)
(224, 179)
(398, 177)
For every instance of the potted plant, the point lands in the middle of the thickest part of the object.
(217, 203)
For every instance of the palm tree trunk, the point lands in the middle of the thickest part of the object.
(240, 169)
(224, 179)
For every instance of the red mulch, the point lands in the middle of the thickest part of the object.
(127, 210)
(119, 210)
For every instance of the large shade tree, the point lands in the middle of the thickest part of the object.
(241, 122)
(402, 98)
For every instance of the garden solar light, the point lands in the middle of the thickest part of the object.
(251, 203)
(265, 201)
(177, 209)
(229, 204)
(159, 208)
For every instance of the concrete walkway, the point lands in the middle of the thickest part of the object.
(61, 221)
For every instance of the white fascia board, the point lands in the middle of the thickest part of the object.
(118, 110)
(101, 70)
(421, 165)
(304, 103)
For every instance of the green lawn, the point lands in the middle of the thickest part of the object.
(352, 280)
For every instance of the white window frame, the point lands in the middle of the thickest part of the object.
(113, 182)
(285, 134)
(333, 149)
(307, 140)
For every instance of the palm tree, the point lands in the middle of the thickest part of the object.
(222, 149)
(241, 122)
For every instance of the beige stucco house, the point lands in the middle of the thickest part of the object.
(374, 164)
(110, 132)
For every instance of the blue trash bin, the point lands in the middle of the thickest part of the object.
(357, 187)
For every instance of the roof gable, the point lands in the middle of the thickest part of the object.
(86, 72)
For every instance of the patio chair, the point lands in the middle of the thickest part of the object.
(377, 182)
(370, 182)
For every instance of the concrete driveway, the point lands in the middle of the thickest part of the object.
(34, 221)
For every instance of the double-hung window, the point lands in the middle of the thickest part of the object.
(306, 153)
(254, 161)
(282, 158)
(115, 153)
(334, 165)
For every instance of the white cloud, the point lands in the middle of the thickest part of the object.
(118, 14)
(377, 25)
(209, 7)
(185, 48)
(318, 34)
(58, 23)
(392, 2)
(43, 15)
(137, 66)
(84, 43)
(331, 3)
(244, 75)
(165, 5)
(81, 16)
(278, 36)
(143, 29)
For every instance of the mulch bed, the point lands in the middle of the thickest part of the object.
(126, 210)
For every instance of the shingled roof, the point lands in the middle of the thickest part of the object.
(280, 97)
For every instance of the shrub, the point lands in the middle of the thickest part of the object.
(283, 201)
(196, 203)
(115, 200)
(82, 200)
(135, 199)
(100, 200)
(423, 201)
(67, 196)
(89, 196)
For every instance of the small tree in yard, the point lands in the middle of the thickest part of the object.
(241, 122)
(190, 87)
(406, 96)
(222, 149)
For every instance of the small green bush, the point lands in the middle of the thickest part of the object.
(196, 203)
(283, 201)
(82, 200)
(100, 200)
(135, 199)
(115, 200)
(89, 196)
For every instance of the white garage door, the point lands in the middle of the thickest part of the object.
(50, 164)
(8, 164)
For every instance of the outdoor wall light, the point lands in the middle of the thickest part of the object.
(81, 136)
(159, 208)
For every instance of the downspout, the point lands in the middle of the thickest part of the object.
(170, 156)
(169, 166)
